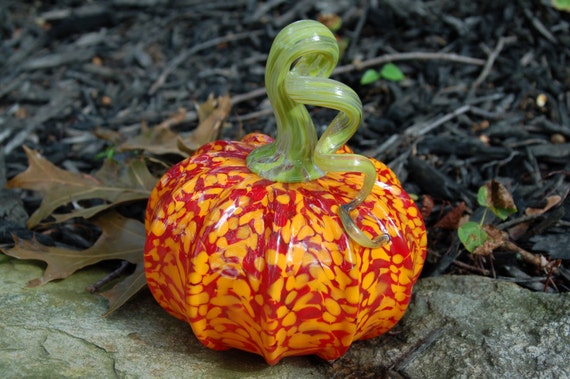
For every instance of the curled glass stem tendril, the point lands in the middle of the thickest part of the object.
(301, 59)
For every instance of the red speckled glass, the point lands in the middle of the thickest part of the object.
(255, 256)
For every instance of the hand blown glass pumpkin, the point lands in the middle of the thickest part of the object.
(290, 246)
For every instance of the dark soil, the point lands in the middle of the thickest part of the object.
(68, 68)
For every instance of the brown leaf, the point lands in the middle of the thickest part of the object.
(42, 175)
(495, 238)
(113, 136)
(114, 182)
(551, 201)
(211, 114)
(121, 238)
(162, 140)
(502, 198)
(157, 140)
(452, 218)
(427, 206)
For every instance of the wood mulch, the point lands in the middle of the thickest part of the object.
(486, 96)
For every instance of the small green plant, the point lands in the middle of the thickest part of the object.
(472, 235)
(561, 5)
(492, 196)
(108, 153)
(389, 72)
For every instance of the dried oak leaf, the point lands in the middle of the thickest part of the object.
(162, 140)
(157, 140)
(115, 183)
(211, 115)
(121, 238)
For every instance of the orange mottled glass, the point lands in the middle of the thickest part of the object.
(267, 267)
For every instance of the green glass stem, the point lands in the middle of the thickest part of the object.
(301, 59)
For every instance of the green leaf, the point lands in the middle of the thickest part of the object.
(561, 5)
(369, 76)
(497, 198)
(108, 153)
(471, 235)
(392, 72)
(503, 213)
(483, 197)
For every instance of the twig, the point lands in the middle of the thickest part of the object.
(533, 259)
(248, 95)
(421, 129)
(185, 54)
(11, 85)
(58, 59)
(391, 141)
(254, 115)
(356, 33)
(263, 8)
(489, 63)
(540, 27)
(92, 288)
(406, 57)
(507, 224)
(54, 108)
(299, 8)
(373, 62)
(469, 267)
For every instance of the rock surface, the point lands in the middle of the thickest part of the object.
(457, 327)
(469, 327)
